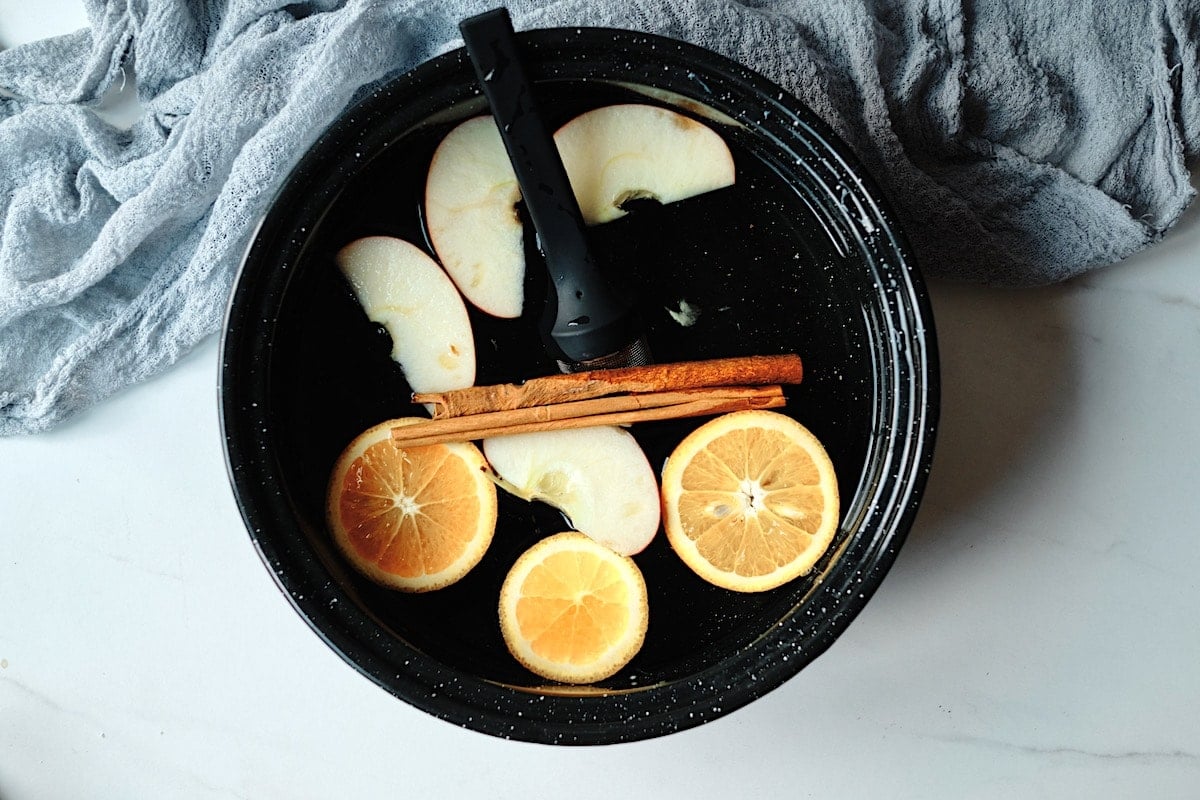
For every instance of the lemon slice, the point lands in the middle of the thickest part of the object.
(750, 500)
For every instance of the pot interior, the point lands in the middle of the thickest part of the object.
(797, 256)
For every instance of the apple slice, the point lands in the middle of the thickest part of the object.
(404, 290)
(471, 195)
(599, 477)
(614, 154)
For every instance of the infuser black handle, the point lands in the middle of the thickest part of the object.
(585, 318)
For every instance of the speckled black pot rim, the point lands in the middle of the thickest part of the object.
(878, 515)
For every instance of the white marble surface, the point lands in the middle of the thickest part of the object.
(1039, 635)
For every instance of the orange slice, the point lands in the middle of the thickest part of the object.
(572, 610)
(750, 500)
(416, 519)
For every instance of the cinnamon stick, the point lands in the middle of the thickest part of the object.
(551, 389)
(620, 410)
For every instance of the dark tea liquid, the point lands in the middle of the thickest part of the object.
(747, 270)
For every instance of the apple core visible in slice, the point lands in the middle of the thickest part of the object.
(471, 195)
(614, 154)
(599, 477)
(403, 289)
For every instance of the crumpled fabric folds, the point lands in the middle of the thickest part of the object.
(1020, 143)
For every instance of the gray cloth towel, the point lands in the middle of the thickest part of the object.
(1022, 142)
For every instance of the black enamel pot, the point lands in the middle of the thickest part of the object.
(800, 255)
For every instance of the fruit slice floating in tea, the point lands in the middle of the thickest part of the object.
(416, 519)
(599, 477)
(403, 289)
(750, 500)
(614, 154)
(572, 610)
(471, 196)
